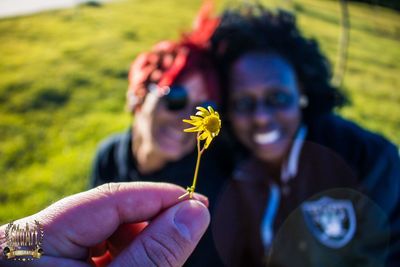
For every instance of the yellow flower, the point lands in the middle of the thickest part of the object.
(206, 122)
(207, 125)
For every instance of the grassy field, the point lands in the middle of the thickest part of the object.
(63, 81)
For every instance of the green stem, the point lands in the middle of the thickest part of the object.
(190, 190)
(196, 171)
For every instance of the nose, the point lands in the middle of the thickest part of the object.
(262, 116)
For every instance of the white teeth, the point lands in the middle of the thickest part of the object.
(266, 138)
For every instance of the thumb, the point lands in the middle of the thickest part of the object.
(169, 239)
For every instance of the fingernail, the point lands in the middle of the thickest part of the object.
(202, 198)
(192, 219)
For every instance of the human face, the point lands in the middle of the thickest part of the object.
(264, 105)
(161, 129)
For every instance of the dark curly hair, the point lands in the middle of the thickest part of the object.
(253, 28)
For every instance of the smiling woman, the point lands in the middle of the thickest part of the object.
(265, 105)
(306, 182)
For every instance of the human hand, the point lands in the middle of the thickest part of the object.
(77, 223)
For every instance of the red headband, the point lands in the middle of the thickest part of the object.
(168, 61)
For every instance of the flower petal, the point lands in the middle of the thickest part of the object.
(204, 135)
(195, 123)
(201, 114)
(208, 141)
(195, 118)
(211, 110)
(206, 112)
(192, 130)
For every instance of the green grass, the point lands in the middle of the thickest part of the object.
(63, 81)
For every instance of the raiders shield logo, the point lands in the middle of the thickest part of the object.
(331, 221)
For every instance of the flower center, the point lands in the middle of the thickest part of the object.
(212, 124)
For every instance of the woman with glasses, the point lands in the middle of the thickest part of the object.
(166, 84)
(309, 187)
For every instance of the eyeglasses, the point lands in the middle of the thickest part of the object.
(176, 98)
(247, 105)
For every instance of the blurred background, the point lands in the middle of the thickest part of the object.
(63, 78)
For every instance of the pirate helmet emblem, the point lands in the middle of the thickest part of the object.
(331, 221)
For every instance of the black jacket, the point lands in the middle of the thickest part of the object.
(349, 172)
